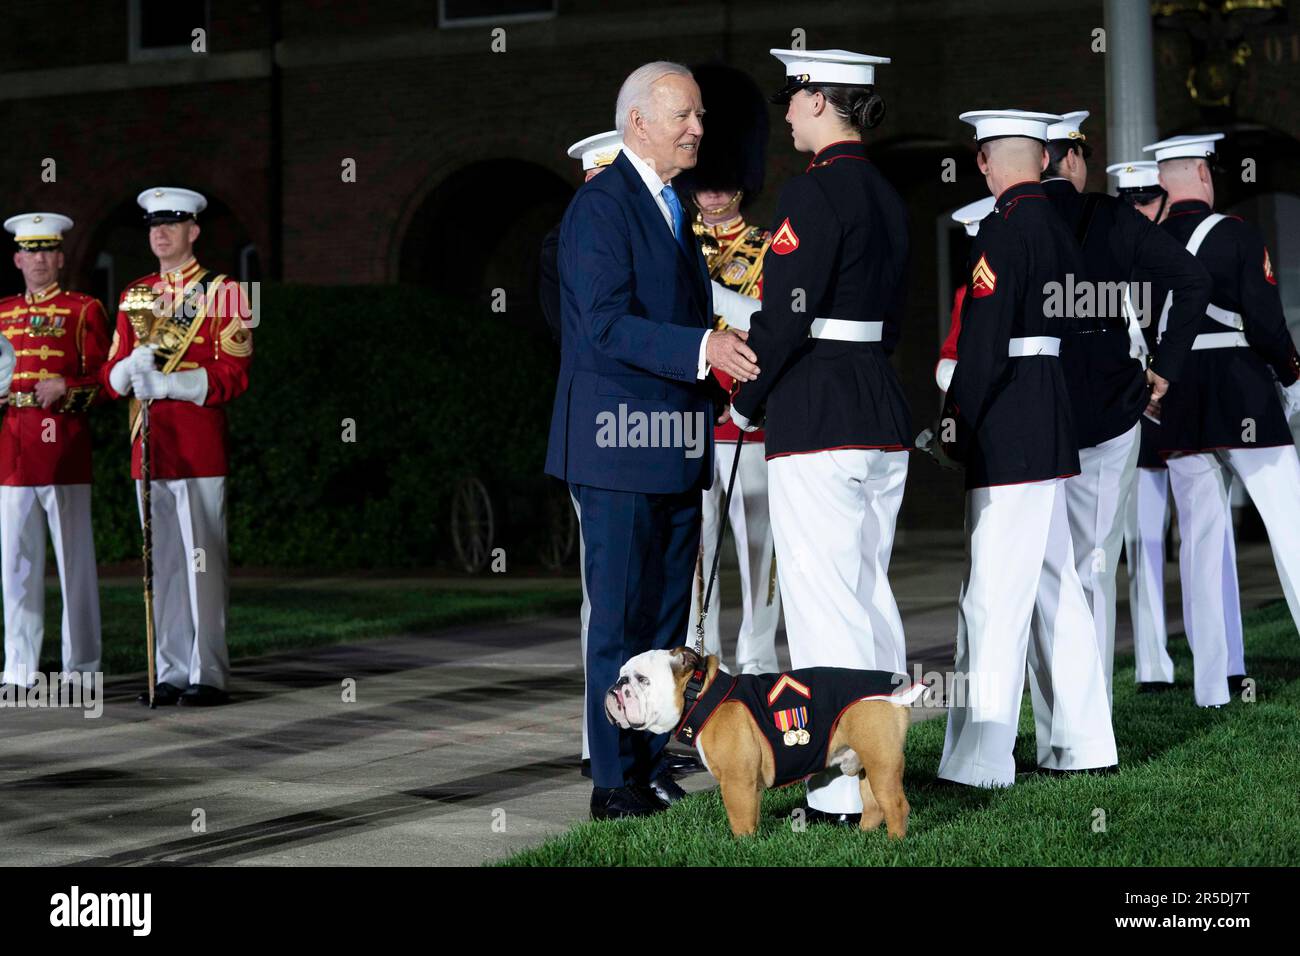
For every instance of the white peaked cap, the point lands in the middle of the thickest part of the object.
(1195, 146)
(991, 124)
(971, 214)
(1139, 174)
(171, 199)
(38, 227)
(598, 150)
(1068, 128)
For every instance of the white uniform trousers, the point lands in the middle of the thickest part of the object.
(584, 618)
(833, 516)
(1011, 543)
(25, 513)
(1271, 476)
(752, 531)
(191, 581)
(1144, 543)
(1144, 546)
(1096, 501)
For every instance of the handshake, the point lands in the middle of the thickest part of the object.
(727, 352)
(138, 375)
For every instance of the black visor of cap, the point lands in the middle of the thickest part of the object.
(38, 245)
(1140, 195)
(793, 84)
(167, 215)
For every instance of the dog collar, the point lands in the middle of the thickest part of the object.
(698, 712)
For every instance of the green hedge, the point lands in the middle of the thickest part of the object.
(437, 389)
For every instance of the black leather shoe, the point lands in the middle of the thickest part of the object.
(1154, 686)
(618, 802)
(1235, 684)
(162, 694)
(680, 764)
(203, 695)
(813, 815)
(665, 790)
(1083, 772)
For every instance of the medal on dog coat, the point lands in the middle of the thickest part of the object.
(797, 711)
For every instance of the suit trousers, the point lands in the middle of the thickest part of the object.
(640, 550)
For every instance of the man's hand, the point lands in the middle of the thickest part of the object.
(728, 352)
(1159, 386)
(50, 390)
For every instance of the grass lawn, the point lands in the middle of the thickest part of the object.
(1197, 787)
(276, 616)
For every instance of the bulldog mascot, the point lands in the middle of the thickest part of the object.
(757, 731)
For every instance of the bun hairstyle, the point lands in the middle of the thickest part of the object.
(861, 107)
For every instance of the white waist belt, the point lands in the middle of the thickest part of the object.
(1220, 340)
(1034, 345)
(1232, 320)
(842, 330)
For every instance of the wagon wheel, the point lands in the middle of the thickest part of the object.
(472, 524)
(560, 532)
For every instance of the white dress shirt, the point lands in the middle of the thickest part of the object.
(656, 187)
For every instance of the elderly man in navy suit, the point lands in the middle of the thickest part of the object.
(634, 406)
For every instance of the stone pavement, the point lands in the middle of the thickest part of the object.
(461, 746)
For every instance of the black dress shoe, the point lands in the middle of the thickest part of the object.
(162, 694)
(615, 803)
(1082, 772)
(813, 815)
(1154, 686)
(203, 695)
(680, 764)
(665, 790)
(1235, 684)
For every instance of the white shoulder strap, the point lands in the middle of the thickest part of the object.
(1203, 230)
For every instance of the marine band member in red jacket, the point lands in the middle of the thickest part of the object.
(188, 392)
(58, 341)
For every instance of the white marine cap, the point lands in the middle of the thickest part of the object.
(1068, 128)
(1195, 146)
(1139, 174)
(38, 230)
(170, 204)
(992, 124)
(824, 67)
(972, 214)
(598, 150)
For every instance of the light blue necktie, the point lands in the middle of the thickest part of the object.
(675, 209)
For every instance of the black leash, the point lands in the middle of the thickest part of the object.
(697, 676)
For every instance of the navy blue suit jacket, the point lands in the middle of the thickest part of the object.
(634, 305)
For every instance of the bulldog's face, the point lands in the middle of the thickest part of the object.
(649, 692)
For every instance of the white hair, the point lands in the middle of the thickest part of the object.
(635, 91)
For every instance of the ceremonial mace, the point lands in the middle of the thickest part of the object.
(138, 304)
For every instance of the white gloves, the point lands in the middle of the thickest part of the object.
(1290, 398)
(7, 362)
(741, 421)
(139, 361)
(190, 386)
(734, 308)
